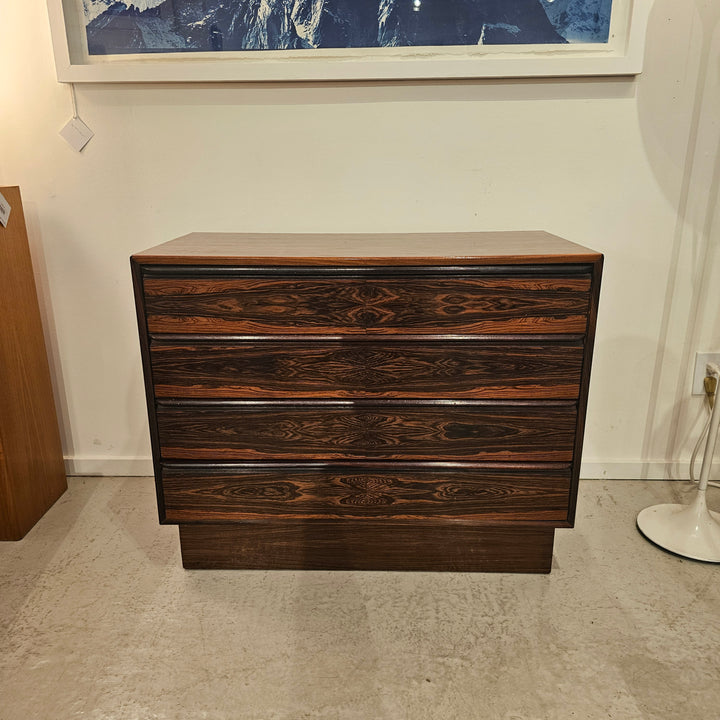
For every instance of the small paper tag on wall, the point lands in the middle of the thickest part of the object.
(77, 134)
(4, 211)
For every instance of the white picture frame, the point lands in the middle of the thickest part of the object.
(621, 55)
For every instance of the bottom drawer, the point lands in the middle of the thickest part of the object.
(479, 492)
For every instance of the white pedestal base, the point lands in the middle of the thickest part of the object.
(692, 530)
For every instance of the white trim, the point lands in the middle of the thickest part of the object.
(638, 470)
(622, 55)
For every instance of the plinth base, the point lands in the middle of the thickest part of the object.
(349, 545)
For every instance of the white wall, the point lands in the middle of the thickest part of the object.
(628, 167)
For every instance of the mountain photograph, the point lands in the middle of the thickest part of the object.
(158, 26)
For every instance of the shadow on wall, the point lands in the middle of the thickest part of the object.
(42, 283)
(357, 92)
(608, 404)
(684, 154)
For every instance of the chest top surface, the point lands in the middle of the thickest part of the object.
(358, 249)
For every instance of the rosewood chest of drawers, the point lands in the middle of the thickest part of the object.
(387, 402)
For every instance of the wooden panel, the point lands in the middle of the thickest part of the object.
(585, 384)
(137, 279)
(476, 492)
(397, 249)
(284, 305)
(441, 369)
(367, 545)
(459, 430)
(32, 472)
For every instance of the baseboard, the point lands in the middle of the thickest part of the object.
(654, 470)
(658, 470)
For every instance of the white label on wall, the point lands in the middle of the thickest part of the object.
(77, 134)
(4, 211)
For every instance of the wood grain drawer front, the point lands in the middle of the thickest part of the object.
(455, 430)
(368, 369)
(345, 305)
(465, 492)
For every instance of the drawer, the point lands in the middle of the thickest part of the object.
(365, 491)
(410, 430)
(442, 369)
(433, 304)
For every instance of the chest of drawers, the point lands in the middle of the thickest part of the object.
(397, 402)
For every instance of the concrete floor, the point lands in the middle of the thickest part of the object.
(98, 620)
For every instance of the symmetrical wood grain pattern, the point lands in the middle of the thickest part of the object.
(486, 494)
(401, 410)
(467, 431)
(32, 472)
(350, 304)
(439, 369)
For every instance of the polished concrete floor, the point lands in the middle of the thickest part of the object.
(99, 620)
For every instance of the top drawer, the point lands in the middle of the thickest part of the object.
(447, 301)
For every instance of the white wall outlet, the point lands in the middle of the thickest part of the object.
(701, 360)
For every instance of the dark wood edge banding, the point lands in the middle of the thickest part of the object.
(240, 405)
(195, 338)
(545, 271)
(137, 279)
(585, 386)
(370, 465)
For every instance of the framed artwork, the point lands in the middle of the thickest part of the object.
(286, 40)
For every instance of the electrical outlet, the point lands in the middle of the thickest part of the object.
(701, 360)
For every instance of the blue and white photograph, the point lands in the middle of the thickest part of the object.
(116, 27)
